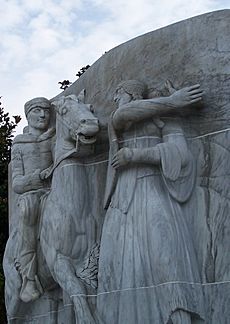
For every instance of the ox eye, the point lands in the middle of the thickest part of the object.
(64, 111)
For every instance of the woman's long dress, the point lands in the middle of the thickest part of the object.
(147, 264)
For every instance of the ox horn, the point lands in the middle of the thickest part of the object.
(81, 96)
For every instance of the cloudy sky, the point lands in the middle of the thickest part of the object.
(46, 41)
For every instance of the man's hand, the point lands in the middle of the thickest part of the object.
(186, 96)
(122, 157)
(44, 174)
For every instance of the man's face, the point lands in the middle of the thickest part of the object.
(121, 97)
(39, 118)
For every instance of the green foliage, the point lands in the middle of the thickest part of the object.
(66, 83)
(7, 128)
(82, 70)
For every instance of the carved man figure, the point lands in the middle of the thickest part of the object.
(31, 157)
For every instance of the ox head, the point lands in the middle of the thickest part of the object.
(77, 118)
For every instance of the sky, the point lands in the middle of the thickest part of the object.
(46, 41)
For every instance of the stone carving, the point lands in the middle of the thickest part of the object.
(71, 259)
(31, 157)
(166, 193)
(72, 263)
(145, 239)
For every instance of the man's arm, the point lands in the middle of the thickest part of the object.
(22, 182)
(139, 110)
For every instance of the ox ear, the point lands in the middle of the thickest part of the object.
(81, 96)
(58, 103)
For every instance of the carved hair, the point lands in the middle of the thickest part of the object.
(133, 87)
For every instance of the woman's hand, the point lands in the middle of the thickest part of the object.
(186, 96)
(122, 157)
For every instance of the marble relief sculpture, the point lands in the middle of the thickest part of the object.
(151, 172)
(68, 238)
(145, 239)
(119, 194)
(58, 242)
(31, 157)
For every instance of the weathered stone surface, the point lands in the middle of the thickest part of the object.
(194, 51)
(147, 249)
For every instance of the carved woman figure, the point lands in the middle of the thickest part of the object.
(147, 267)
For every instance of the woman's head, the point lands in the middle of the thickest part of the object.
(129, 90)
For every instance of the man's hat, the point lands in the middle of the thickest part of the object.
(36, 102)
